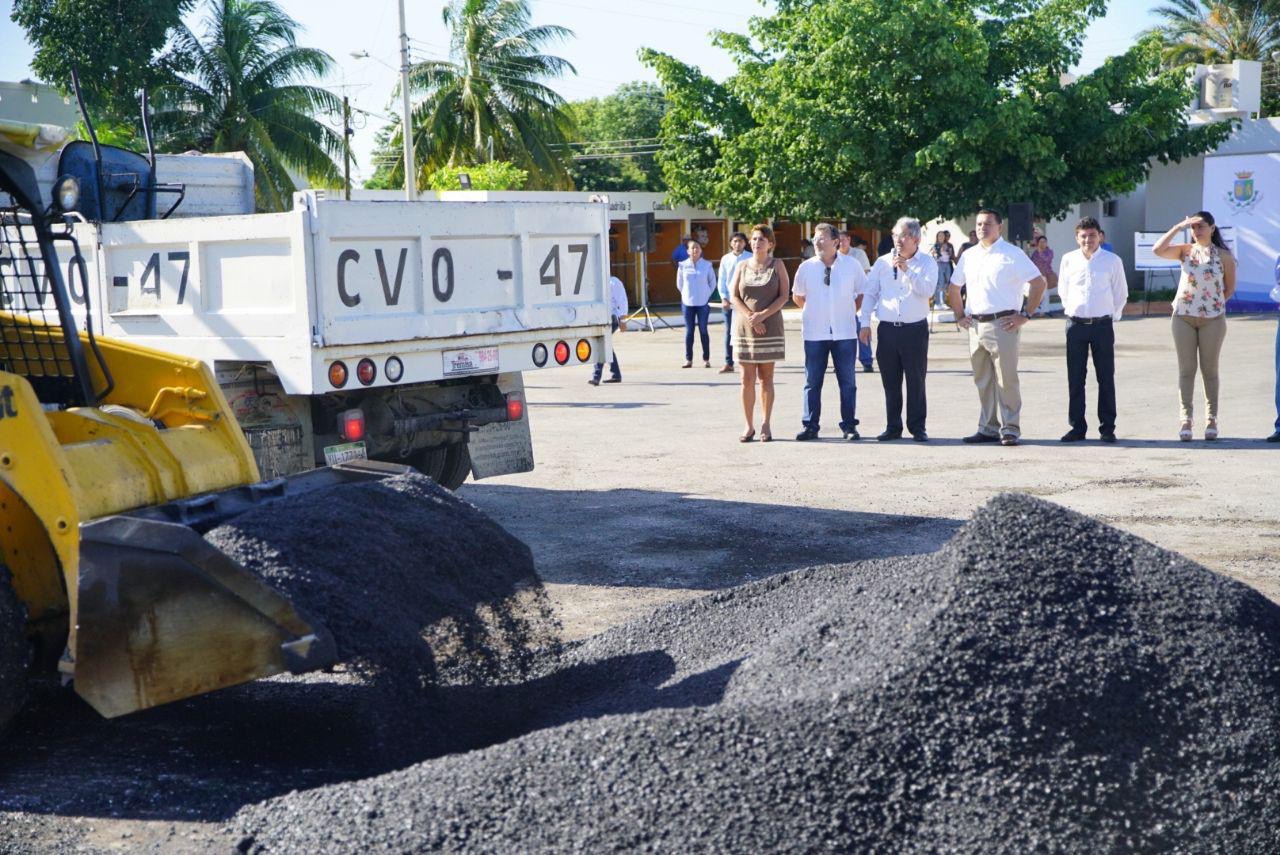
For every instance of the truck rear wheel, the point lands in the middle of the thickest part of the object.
(448, 466)
(15, 652)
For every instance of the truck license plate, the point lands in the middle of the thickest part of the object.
(342, 453)
(478, 360)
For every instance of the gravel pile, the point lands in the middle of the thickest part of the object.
(13, 651)
(1042, 682)
(421, 591)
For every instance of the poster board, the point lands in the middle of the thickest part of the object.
(1243, 193)
(1145, 259)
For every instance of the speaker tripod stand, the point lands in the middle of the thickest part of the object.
(642, 273)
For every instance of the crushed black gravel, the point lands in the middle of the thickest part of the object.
(14, 651)
(1044, 682)
(419, 588)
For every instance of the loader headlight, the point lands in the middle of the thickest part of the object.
(66, 193)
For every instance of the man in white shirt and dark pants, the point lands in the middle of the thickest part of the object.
(826, 290)
(898, 291)
(994, 271)
(724, 277)
(1093, 291)
(617, 310)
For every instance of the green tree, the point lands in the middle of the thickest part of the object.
(616, 140)
(1196, 31)
(488, 100)
(878, 108)
(247, 94)
(117, 46)
(498, 175)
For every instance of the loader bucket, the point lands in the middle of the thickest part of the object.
(163, 615)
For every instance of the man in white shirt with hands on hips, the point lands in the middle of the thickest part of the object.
(898, 292)
(1093, 291)
(826, 289)
(994, 271)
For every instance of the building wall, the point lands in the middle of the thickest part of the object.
(36, 103)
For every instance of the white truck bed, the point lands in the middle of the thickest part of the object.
(451, 288)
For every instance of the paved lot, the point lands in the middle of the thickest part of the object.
(643, 495)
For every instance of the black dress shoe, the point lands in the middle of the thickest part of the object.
(807, 434)
(973, 439)
(612, 380)
(1275, 437)
(1008, 439)
(1071, 436)
(920, 437)
(888, 435)
(594, 381)
(1107, 437)
(868, 369)
(852, 435)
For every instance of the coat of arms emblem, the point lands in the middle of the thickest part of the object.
(1243, 195)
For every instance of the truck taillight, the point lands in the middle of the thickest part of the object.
(539, 355)
(337, 374)
(366, 371)
(394, 369)
(351, 424)
(515, 406)
(584, 350)
(562, 352)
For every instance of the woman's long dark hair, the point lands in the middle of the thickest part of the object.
(1216, 237)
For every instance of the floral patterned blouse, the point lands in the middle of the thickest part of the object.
(1201, 290)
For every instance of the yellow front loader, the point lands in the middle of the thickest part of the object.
(113, 461)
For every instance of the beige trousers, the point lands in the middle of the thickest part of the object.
(993, 353)
(1198, 340)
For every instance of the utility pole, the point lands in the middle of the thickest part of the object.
(346, 147)
(406, 127)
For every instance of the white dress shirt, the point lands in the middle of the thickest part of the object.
(903, 300)
(617, 298)
(696, 282)
(830, 311)
(1275, 293)
(994, 277)
(860, 256)
(725, 277)
(1092, 287)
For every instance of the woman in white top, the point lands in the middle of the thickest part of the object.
(1199, 312)
(697, 282)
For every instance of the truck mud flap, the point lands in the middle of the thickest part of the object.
(163, 615)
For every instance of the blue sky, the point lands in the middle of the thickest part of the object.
(608, 34)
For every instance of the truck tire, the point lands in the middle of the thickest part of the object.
(430, 462)
(15, 652)
(457, 466)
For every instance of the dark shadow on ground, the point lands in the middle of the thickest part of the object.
(648, 538)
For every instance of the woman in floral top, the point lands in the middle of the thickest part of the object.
(1199, 312)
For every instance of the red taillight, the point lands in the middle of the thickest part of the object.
(562, 352)
(515, 406)
(366, 372)
(351, 425)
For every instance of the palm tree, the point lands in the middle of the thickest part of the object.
(488, 101)
(246, 93)
(1212, 31)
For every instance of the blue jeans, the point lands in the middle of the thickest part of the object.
(699, 315)
(728, 336)
(1278, 375)
(864, 350)
(614, 370)
(843, 353)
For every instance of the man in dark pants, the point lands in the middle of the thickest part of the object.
(1093, 291)
(898, 291)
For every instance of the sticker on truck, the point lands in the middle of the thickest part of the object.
(477, 360)
(334, 454)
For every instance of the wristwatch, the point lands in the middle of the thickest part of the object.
(1025, 314)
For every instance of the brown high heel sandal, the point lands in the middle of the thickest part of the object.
(748, 436)
(766, 435)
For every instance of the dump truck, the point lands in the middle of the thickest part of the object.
(114, 459)
(392, 330)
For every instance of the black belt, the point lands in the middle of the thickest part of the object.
(1105, 319)
(902, 323)
(988, 318)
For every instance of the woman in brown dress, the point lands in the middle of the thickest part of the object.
(759, 290)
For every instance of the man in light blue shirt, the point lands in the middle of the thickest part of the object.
(1275, 295)
(738, 251)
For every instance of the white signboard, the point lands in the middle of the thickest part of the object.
(1145, 259)
(1244, 191)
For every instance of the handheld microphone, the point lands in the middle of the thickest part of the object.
(895, 262)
